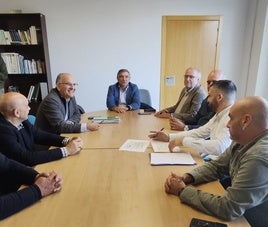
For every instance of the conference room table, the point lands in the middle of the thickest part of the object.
(106, 187)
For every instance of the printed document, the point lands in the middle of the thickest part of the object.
(182, 158)
(135, 145)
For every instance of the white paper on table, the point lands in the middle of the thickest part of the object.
(160, 146)
(135, 145)
(182, 158)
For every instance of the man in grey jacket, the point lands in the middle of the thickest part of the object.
(59, 112)
(190, 98)
(245, 161)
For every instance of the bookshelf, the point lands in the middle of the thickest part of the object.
(26, 53)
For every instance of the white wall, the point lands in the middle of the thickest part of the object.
(92, 39)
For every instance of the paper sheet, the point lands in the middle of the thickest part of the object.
(181, 158)
(135, 145)
(160, 146)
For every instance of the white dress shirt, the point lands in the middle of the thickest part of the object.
(215, 129)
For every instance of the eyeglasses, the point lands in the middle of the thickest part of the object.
(190, 76)
(70, 84)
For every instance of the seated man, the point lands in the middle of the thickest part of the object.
(123, 95)
(190, 98)
(13, 175)
(18, 136)
(245, 161)
(59, 113)
(221, 97)
(204, 114)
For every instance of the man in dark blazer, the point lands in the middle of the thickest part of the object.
(13, 175)
(123, 95)
(190, 98)
(59, 112)
(18, 136)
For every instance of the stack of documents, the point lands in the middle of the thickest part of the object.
(106, 119)
(182, 158)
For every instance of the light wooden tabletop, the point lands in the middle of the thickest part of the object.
(131, 126)
(105, 187)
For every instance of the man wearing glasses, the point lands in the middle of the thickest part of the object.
(189, 100)
(59, 112)
(204, 114)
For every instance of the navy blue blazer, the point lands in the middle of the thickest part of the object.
(132, 96)
(13, 175)
(20, 144)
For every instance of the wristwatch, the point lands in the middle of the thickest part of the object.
(186, 128)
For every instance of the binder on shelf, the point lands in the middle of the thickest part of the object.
(2, 37)
(8, 37)
(43, 89)
(35, 94)
(33, 35)
(30, 93)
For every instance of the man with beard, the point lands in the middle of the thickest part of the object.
(212, 138)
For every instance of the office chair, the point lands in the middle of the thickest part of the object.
(145, 97)
(31, 119)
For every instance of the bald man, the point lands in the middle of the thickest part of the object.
(18, 136)
(204, 114)
(245, 161)
(59, 112)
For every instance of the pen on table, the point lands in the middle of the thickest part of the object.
(162, 129)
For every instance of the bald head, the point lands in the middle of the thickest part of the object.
(257, 107)
(14, 107)
(66, 85)
(10, 101)
(248, 119)
(214, 75)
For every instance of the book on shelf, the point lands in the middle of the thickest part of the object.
(36, 92)
(16, 64)
(33, 35)
(106, 119)
(20, 37)
(2, 37)
(7, 37)
(43, 89)
(30, 93)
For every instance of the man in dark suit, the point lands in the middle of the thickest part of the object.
(18, 136)
(13, 175)
(59, 112)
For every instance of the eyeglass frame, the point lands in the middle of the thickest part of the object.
(70, 84)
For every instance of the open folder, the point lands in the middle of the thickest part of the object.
(182, 158)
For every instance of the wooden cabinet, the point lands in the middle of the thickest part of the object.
(32, 48)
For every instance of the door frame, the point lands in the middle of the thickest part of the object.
(165, 20)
